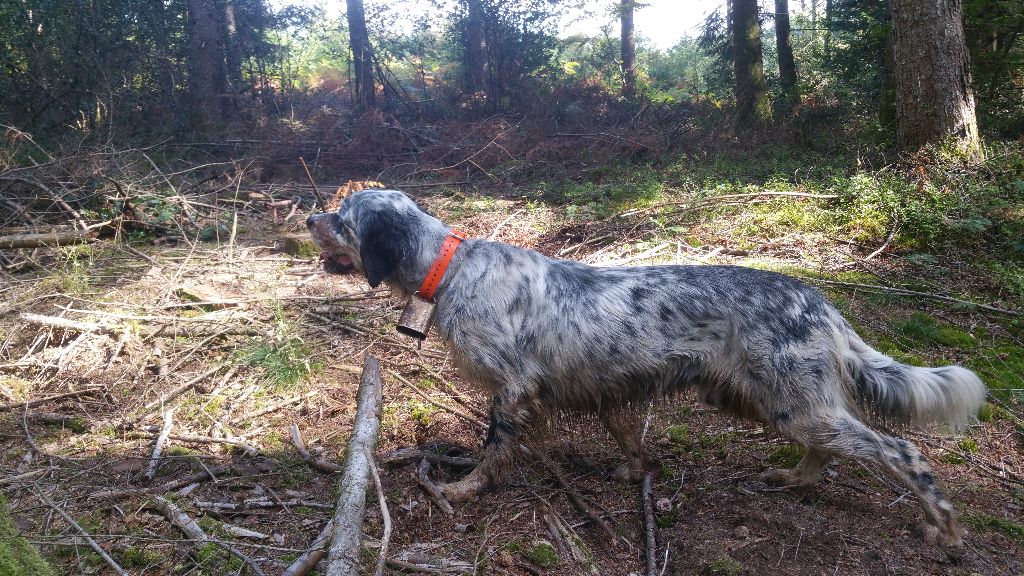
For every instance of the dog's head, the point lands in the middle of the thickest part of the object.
(381, 233)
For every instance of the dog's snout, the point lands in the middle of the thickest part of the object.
(310, 221)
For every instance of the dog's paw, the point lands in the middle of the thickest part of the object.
(940, 535)
(779, 477)
(464, 490)
(626, 473)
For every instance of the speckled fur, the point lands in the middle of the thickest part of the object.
(546, 336)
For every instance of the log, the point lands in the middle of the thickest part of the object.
(56, 238)
(346, 544)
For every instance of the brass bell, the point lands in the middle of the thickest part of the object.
(417, 317)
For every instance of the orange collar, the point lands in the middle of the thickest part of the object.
(437, 270)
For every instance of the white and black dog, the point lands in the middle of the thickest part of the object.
(546, 335)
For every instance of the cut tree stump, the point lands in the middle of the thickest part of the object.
(346, 544)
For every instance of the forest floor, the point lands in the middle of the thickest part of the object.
(231, 341)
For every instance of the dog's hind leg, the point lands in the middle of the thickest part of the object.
(845, 435)
(806, 473)
(624, 426)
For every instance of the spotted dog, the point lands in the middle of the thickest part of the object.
(547, 336)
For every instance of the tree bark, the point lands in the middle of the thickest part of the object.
(476, 47)
(934, 99)
(364, 93)
(233, 54)
(887, 94)
(787, 66)
(628, 49)
(206, 77)
(753, 109)
(346, 545)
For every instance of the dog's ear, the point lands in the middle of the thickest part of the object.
(383, 244)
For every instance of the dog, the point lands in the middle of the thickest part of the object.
(546, 336)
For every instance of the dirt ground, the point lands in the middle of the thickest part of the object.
(270, 341)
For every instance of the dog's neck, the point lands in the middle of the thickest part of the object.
(424, 248)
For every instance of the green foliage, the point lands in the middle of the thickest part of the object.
(17, 556)
(1005, 526)
(923, 329)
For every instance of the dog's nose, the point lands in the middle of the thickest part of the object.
(309, 221)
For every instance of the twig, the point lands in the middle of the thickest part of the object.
(904, 292)
(179, 390)
(191, 528)
(161, 440)
(433, 402)
(432, 489)
(318, 463)
(649, 526)
(574, 498)
(305, 563)
(85, 535)
(494, 233)
(382, 554)
(319, 198)
(346, 545)
(885, 244)
(273, 407)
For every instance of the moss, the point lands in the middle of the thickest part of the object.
(543, 554)
(678, 434)
(723, 567)
(1005, 526)
(140, 558)
(786, 456)
(968, 445)
(17, 556)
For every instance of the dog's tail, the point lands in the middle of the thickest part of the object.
(905, 394)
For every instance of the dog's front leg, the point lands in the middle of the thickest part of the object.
(511, 414)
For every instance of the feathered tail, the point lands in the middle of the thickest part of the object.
(908, 394)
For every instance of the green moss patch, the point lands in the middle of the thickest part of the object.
(17, 556)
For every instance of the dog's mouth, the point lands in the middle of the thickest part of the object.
(337, 264)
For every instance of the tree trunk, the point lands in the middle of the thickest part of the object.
(753, 109)
(934, 101)
(476, 47)
(887, 94)
(233, 54)
(628, 50)
(206, 78)
(364, 94)
(787, 66)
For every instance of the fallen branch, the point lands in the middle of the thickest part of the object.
(382, 554)
(51, 239)
(191, 528)
(318, 463)
(649, 526)
(170, 486)
(432, 489)
(316, 192)
(305, 563)
(85, 535)
(403, 455)
(31, 403)
(346, 545)
(161, 440)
